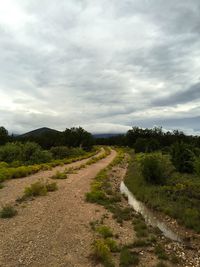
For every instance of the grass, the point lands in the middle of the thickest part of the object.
(8, 211)
(59, 175)
(178, 198)
(128, 258)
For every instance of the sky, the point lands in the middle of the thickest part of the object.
(103, 65)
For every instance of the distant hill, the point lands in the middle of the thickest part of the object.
(38, 132)
(46, 130)
(106, 135)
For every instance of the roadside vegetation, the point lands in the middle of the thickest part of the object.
(157, 182)
(16, 169)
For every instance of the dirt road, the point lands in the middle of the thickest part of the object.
(51, 230)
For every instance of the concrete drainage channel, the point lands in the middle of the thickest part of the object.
(148, 215)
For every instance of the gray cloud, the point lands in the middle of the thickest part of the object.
(104, 65)
(191, 94)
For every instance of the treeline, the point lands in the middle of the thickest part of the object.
(74, 137)
(148, 140)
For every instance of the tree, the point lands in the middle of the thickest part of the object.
(3, 135)
(182, 157)
(78, 137)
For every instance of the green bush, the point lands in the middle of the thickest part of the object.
(60, 152)
(96, 196)
(112, 244)
(27, 153)
(183, 157)
(8, 212)
(51, 187)
(104, 231)
(156, 168)
(102, 253)
(128, 258)
(11, 152)
(36, 189)
(59, 175)
(197, 165)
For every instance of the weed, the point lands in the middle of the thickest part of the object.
(102, 253)
(8, 211)
(112, 244)
(128, 258)
(36, 189)
(51, 187)
(104, 231)
(160, 252)
(59, 175)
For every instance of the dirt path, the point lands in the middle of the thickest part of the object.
(14, 188)
(53, 230)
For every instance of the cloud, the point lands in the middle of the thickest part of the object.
(104, 65)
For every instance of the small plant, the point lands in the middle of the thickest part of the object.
(140, 228)
(160, 252)
(36, 189)
(141, 243)
(104, 231)
(102, 253)
(59, 175)
(112, 244)
(51, 187)
(96, 196)
(128, 258)
(8, 211)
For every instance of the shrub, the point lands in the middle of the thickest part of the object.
(36, 189)
(51, 187)
(60, 152)
(160, 252)
(128, 258)
(8, 212)
(104, 231)
(101, 252)
(112, 244)
(59, 175)
(197, 165)
(11, 152)
(27, 153)
(96, 196)
(3, 165)
(182, 157)
(156, 168)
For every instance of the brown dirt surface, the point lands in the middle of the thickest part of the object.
(52, 230)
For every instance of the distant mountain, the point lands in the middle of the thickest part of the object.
(106, 135)
(38, 132)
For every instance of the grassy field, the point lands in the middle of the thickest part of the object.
(179, 197)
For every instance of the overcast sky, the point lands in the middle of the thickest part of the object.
(104, 65)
